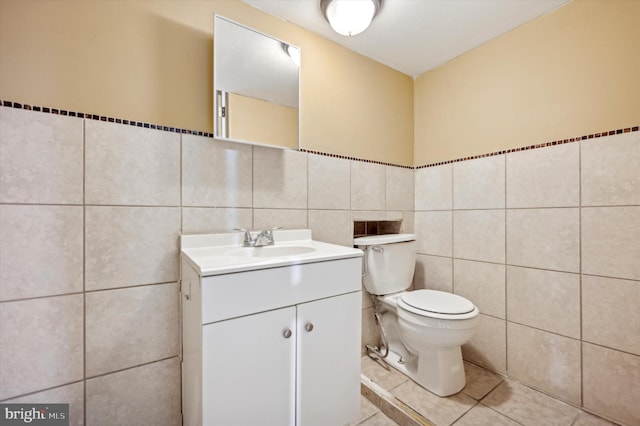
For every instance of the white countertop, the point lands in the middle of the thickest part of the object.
(213, 254)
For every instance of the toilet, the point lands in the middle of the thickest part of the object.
(423, 329)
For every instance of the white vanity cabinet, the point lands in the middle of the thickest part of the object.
(274, 346)
(289, 366)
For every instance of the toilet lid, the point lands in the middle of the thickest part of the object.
(438, 302)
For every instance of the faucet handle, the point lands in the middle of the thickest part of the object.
(247, 235)
(270, 232)
(267, 234)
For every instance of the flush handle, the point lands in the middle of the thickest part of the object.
(287, 333)
(308, 326)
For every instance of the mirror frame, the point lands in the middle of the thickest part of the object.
(220, 97)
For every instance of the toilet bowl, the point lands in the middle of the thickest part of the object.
(424, 328)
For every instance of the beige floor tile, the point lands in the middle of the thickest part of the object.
(479, 381)
(481, 415)
(378, 419)
(367, 410)
(388, 378)
(586, 419)
(440, 411)
(528, 406)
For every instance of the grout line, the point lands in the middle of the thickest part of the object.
(498, 412)
(44, 204)
(144, 364)
(84, 272)
(506, 287)
(4, 401)
(452, 232)
(85, 291)
(181, 171)
(580, 273)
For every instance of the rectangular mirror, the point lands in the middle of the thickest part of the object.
(256, 86)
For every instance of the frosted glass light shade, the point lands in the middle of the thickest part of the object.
(350, 17)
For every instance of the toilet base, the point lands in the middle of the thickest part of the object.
(441, 371)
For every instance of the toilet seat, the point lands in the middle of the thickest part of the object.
(437, 304)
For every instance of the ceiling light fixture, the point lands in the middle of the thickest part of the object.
(350, 17)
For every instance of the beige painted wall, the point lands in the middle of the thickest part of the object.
(572, 72)
(151, 61)
(253, 119)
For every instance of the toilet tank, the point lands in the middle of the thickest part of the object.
(389, 262)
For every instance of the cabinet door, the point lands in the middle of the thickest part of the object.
(328, 375)
(248, 367)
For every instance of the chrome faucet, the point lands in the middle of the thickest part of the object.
(263, 238)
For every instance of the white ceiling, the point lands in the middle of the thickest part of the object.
(414, 36)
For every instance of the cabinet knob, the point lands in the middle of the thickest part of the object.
(308, 326)
(287, 333)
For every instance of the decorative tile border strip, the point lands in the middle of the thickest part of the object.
(346, 157)
(541, 145)
(57, 111)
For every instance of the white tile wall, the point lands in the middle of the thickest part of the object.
(482, 282)
(558, 312)
(489, 346)
(610, 383)
(332, 226)
(611, 313)
(329, 183)
(146, 395)
(47, 236)
(553, 367)
(139, 203)
(399, 188)
(127, 246)
(41, 159)
(131, 165)
(610, 238)
(131, 326)
(610, 170)
(434, 232)
(547, 300)
(212, 220)
(279, 178)
(368, 186)
(104, 287)
(42, 344)
(293, 218)
(544, 238)
(479, 183)
(434, 188)
(216, 174)
(548, 177)
(72, 394)
(433, 273)
(479, 235)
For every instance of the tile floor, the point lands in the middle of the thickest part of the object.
(488, 400)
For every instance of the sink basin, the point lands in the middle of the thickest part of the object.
(217, 254)
(272, 251)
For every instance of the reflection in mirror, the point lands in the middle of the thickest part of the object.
(256, 90)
